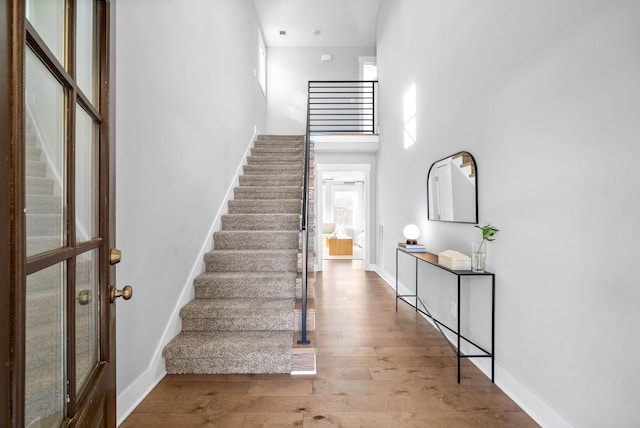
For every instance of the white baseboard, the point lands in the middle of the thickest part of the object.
(133, 395)
(533, 405)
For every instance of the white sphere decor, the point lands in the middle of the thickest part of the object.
(411, 233)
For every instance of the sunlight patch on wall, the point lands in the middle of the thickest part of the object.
(410, 117)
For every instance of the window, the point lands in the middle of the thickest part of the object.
(343, 207)
(262, 64)
(410, 117)
(368, 68)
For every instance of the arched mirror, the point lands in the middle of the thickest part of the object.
(452, 190)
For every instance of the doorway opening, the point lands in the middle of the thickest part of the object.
(343, 212)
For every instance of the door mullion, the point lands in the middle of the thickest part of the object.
(72, 264)
(71, 204)
(12, 221)
(71, 337)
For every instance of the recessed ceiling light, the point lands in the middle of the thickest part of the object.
(316, 32)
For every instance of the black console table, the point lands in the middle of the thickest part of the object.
(432, 259)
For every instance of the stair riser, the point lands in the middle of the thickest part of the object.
(31, 139)
(283, 147)
(273, 193)
(281, 137)
(36, 169)
(43, 204)
(293, 143)
(251, 363)
(41, 244)
(286, 161)
(43, 224)
(259, 322)
(258, 241)
(241, 290)
(233, 262)
(268, 181)
(39, 186)
(272, 151)
(33, 153)
(275, 206)
(273, 170)
(246, 222)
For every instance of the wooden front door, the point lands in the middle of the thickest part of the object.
(57, 321)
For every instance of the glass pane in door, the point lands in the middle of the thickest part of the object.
(86, 176)
(44, 347)
(86, 52)
(86, 316)
(45, 153)
(47, 17)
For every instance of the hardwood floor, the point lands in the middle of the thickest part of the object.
(376, 368)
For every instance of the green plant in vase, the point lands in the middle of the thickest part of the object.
(479, 249)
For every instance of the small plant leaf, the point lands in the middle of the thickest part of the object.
(488, 233)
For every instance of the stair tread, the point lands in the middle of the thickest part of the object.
(207, 344)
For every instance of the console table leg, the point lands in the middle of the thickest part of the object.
(493, 323)
(416, 285)
(458, 330)
(396, 280)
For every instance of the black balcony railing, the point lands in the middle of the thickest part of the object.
(342, 107)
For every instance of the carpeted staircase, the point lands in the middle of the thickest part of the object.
(244, 314)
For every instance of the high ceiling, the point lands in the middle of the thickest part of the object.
(340, 23)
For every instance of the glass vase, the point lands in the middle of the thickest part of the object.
(478, 255)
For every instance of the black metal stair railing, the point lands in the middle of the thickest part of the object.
(304, 227)
(343, 107)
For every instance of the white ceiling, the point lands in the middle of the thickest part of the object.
(341, 23)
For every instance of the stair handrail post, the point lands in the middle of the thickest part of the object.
(305, 229)
(373, 107)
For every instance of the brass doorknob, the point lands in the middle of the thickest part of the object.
(125, 293)
(115, 256)
(84, 297)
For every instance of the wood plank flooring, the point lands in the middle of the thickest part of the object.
(376, 368)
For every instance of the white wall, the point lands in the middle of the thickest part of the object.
(546, 97)
(187, 104)
(288, 73)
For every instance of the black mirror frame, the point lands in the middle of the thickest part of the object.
(476, 189)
